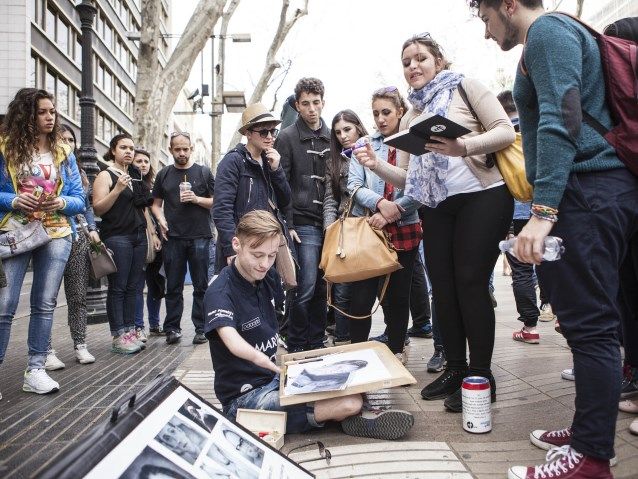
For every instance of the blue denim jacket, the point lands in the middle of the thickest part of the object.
(372, 187)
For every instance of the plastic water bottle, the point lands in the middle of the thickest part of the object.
(552, 247)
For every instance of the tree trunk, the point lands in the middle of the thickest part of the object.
(157, 89)
(284, 27)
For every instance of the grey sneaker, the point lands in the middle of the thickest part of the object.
(378, 424)
(437, 362)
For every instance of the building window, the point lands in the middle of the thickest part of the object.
(33, 72)
(108, 36)
(100, 75)
(62, 97)
(78, 50)
(49, 83)
(62, 37)
(76, 104)
(32, 4)
(108, 83)
(49, 24)
(100, 126)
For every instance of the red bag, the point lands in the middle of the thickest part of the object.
(620, 67)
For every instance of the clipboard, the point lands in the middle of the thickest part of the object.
(399, 375)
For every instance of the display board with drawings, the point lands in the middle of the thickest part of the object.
(339, 371)
(186, 438)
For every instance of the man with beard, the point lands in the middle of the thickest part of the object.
(584, 194)
(183, 197)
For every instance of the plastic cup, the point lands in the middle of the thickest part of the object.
(183, 187)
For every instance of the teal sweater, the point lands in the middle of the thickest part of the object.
(564, 77)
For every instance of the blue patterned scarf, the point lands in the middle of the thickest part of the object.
(426, 175)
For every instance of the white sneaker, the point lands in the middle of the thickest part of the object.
(546, 313)
(38, 381)
(82, 355)
(141, 334)
(568, 374)
(53, 363)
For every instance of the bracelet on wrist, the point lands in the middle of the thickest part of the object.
(13, 203)
(546, 217)
(544, 210)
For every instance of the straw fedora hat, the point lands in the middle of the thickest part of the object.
(255, 114)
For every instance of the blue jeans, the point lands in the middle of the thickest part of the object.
(598, 216)
(177, 254)
(152, 305)
(49, 262)
(299, 418)
(129, 253)
(341, 294)
(307, 322)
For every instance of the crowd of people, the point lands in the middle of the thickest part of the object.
(444, 212)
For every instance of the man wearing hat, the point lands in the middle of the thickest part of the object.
(249, 177)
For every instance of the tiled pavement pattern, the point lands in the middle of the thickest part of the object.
(530, 392)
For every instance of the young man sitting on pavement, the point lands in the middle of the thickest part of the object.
(242, 329)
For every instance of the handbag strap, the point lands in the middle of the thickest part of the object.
(490, 157)
(384, 289)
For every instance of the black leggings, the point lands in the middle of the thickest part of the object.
(364, 294)
(460, 240)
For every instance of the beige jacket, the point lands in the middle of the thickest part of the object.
(498, 134)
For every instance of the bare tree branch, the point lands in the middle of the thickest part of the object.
(579, 7)
(283, 28)
(281, 83)
(157, 89)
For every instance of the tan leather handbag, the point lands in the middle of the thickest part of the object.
(353, 251)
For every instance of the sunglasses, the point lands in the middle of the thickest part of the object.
(324, 452)
(422, 35)
(181, 133)
(386, 89)
(264, 133)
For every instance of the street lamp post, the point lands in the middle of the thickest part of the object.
(96, 294)
(217, 91)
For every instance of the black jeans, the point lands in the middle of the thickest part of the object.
(419, 298)
(364, 294)
(598, 215)
(177, 254)
(523, 285)
(460, 240)
(629, 296)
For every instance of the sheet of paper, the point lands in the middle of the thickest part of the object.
(335, 372)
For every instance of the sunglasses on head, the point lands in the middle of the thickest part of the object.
(264, 133)
(422, 35)
(181, 133)
(386, 89)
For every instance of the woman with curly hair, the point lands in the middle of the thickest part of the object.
(39, 181)
(76, 273)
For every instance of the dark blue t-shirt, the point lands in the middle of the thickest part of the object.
(232, 301)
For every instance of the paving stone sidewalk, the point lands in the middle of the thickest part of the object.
(531, 395)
